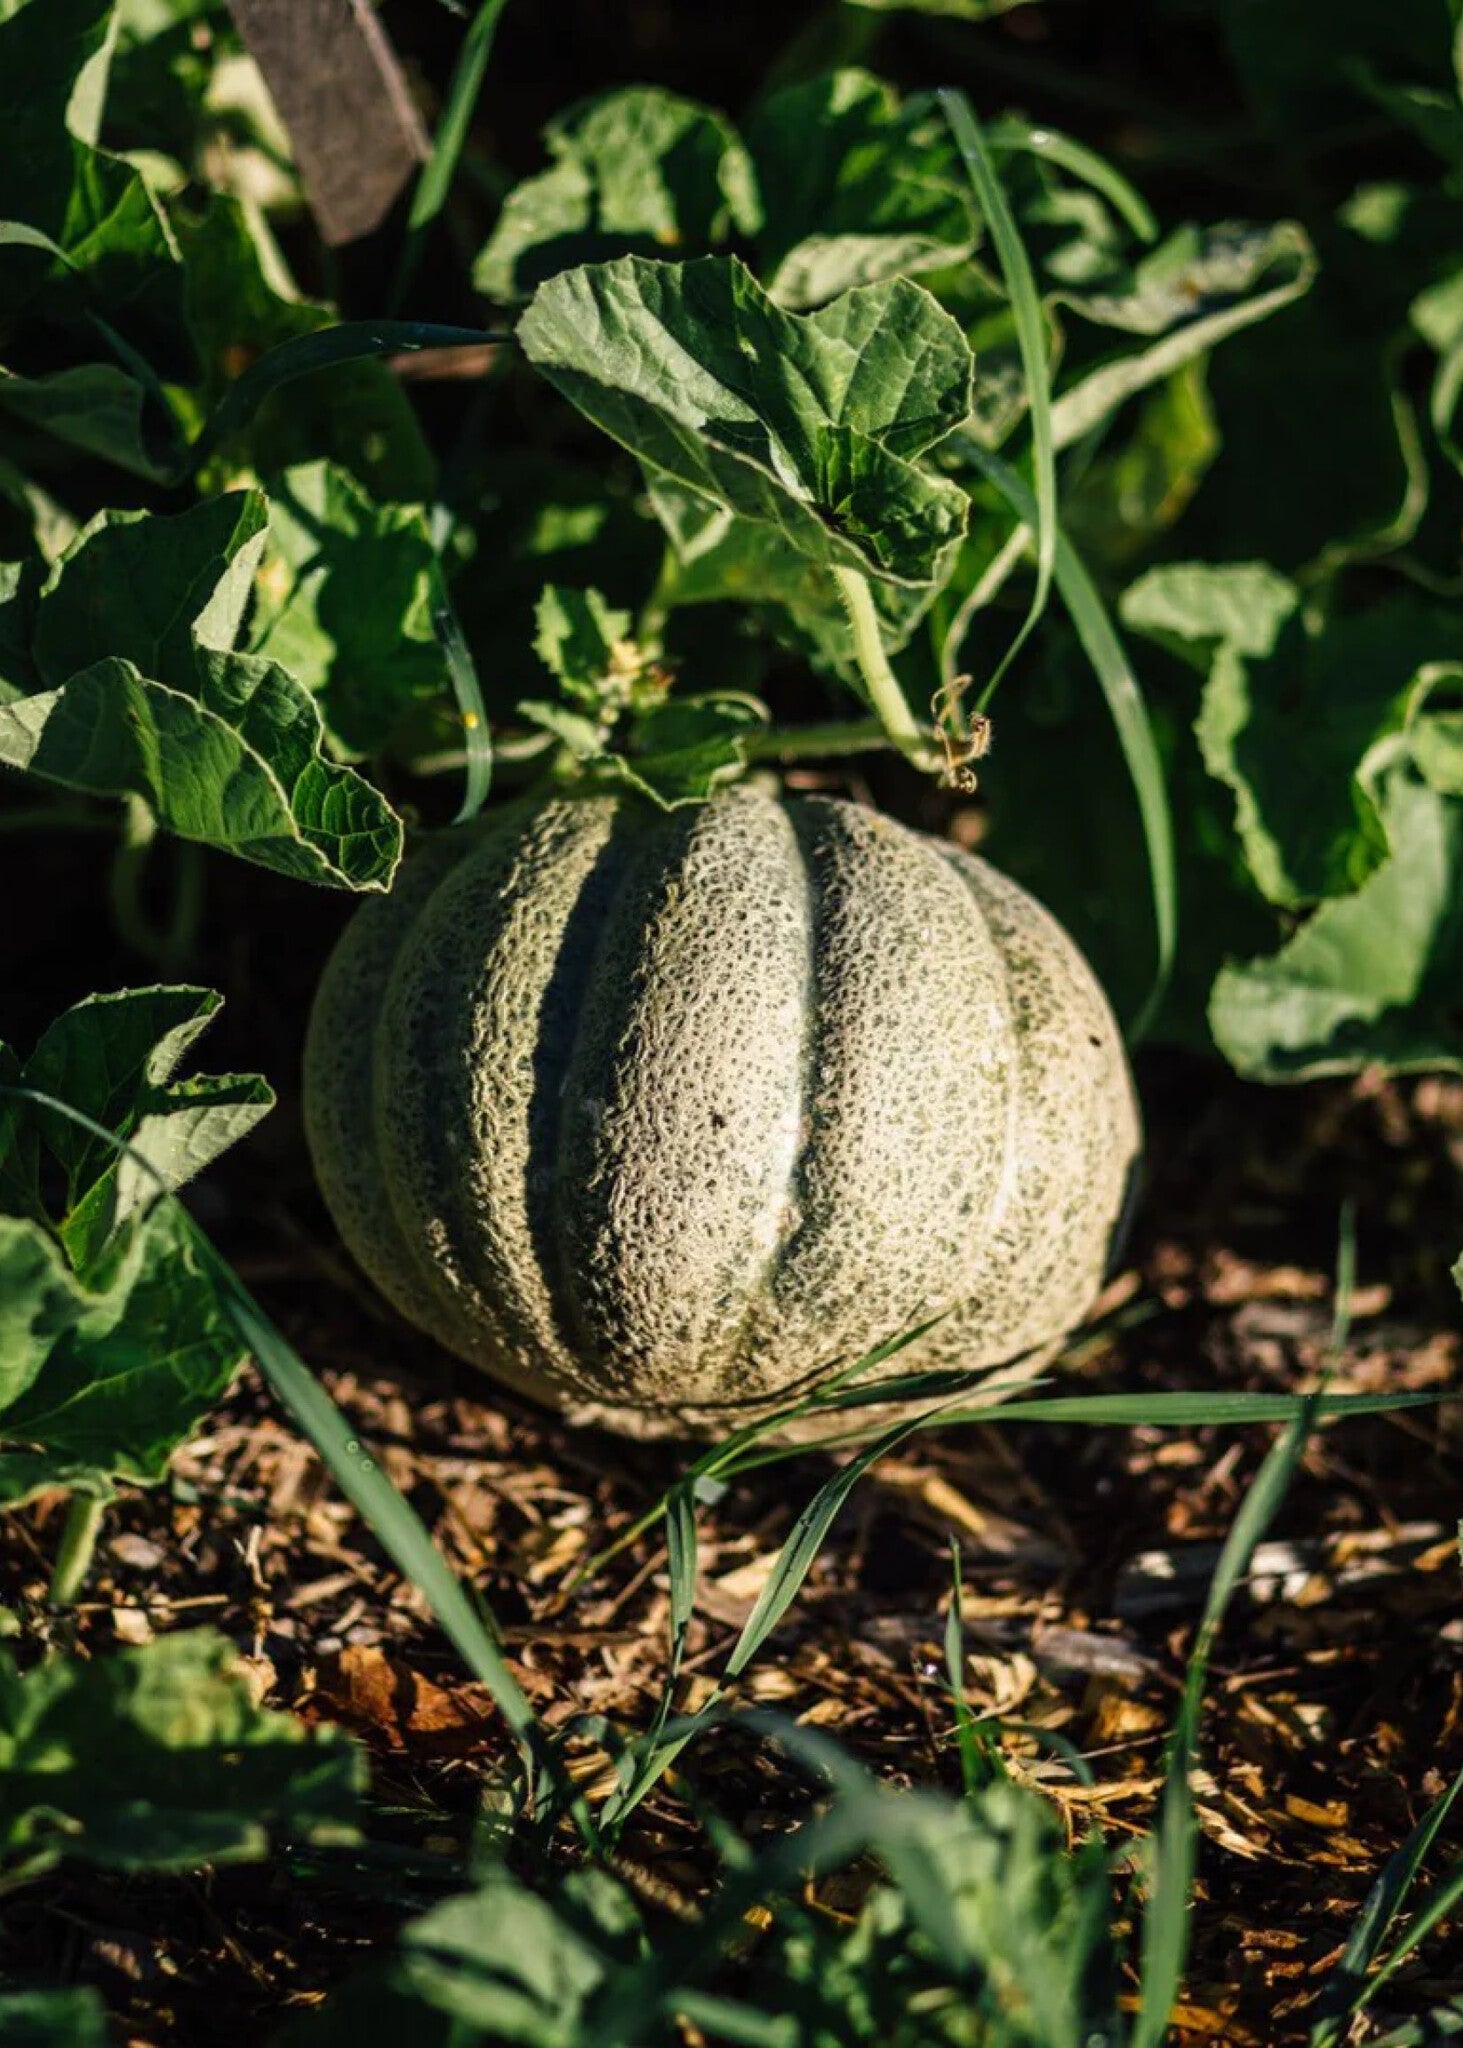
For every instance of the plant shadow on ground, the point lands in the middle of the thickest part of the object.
(1336, 1696)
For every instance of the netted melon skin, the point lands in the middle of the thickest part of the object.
(663, 1117)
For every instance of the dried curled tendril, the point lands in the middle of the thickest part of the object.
(962, 745)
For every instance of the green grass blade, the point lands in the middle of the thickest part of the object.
(1438, 1908)
(1192, 1411)
(435, 180)
(1011, 132)
(391, 1518)
(795, 1559)
(349, 342)
(978, 1765)
(476, 731)
(1031, 340)
(1346, 1989)
(652, 1756)
(1165, 1939)
(1129, 713)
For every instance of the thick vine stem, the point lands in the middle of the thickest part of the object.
(167, 945)
(885, 694)
(819, 742)
(77, 1546)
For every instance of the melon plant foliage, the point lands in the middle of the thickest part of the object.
(780, 425)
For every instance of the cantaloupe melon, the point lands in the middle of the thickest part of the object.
(661, 1116)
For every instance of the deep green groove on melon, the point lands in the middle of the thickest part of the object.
(658, 1114)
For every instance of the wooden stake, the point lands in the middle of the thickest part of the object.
(340, 92)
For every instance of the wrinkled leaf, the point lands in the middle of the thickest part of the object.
(158, 1759)
(637, 172)
(347, 592)
(114, 1058)
(855, 188)
(133, 1373)
(137, 688)
(581, 640)
(811, 424)
(1290, 713)
(1373, 977)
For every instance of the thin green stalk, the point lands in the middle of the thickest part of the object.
(77, 1548)
(981, 593)
(435, 181)
(883, 686)
(819, 742)
(1030, 323)
(650, 621)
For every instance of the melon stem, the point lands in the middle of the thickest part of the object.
(883, 686)
(77, 1546)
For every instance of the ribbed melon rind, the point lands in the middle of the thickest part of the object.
(662, 1116)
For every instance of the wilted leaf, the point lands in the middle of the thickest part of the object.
(158, 1759)
(811, 423)
(1126, 499)
(638, 172)
(1201, 286)
(1318, 456)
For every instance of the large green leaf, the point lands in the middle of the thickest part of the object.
(810, 424)
(348, 591)
(638, 171)
(721, 559)
(141, 1357)
(53, 2019)
(498, 1964)
(134, 685)
(91, 207)
(1198, 288)
(1372, 978)
(158, 1759)
(114, 1057)
(854, 188)
(113, 1343)
(1291, 709)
